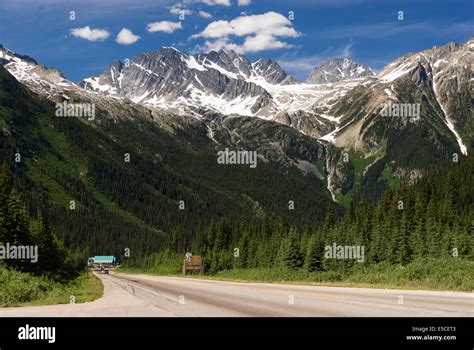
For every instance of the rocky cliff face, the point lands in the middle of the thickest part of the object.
(170, 79)
(338, 69)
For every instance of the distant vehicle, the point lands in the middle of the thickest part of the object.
(103, 271)
(102, 261)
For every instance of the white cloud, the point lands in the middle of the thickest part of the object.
(178, 9)
(217, 2)
(216, 45)
(270, 23)
(163, 26)
(204, 14)
(259, 32)
(126, 37)
(251, 44)
(87, 33)
(263, 42)
(244, 2)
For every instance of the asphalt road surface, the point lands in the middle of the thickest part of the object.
(142, 295)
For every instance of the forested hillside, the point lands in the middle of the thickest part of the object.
(135, 204)
(431, 221)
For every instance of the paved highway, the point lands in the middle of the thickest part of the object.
(142, 295)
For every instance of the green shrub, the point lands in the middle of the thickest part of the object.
(19, 288)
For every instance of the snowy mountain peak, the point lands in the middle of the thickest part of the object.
(8, 56)
(25, 68)
(338, 69)
(219, 81)
(272, 72)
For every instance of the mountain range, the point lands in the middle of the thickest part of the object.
(339, 135)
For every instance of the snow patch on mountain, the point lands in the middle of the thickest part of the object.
(338, 69)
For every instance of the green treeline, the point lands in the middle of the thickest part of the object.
(17, 228)
(431, 220)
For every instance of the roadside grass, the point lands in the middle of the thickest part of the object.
(423, 274)
(159, 270)
(427, 274)
(162, 263)
(24, 289)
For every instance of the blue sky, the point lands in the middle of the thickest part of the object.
(367, 30)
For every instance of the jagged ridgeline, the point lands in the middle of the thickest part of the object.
(357, 146)
(76, 173)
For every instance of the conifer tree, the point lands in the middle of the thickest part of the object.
(314, 254)
(293, 258)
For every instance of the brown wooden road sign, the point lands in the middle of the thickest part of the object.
(193, 263)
